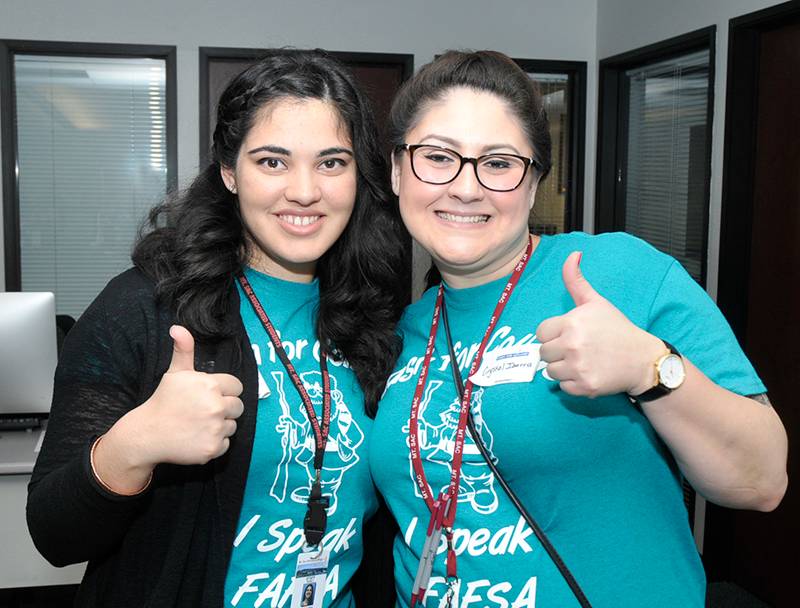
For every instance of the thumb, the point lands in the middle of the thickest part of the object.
(577, 286)
(182, 349)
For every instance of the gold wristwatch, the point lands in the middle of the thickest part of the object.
(670, 374)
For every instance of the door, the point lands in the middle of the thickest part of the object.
(757, 551)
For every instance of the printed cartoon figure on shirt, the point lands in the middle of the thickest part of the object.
(298, 442)
(437, 439)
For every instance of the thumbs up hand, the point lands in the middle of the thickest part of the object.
(594, 350)
(191, 416)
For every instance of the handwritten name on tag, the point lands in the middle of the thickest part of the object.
(506, 365)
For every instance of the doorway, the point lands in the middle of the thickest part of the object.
(759, 279)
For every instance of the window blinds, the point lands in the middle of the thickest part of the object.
(549, 212)
(665, 189)
(92, 159)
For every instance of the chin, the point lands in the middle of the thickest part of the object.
(457, 259)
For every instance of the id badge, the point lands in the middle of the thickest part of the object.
(309, 579)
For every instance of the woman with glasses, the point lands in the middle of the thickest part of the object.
(552, 390)
(211, 415)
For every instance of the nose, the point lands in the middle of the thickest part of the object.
(466, 187)
(302, 187)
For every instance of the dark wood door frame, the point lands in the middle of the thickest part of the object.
(404, 62)
(738, 175)
(738, 195)
(576, 112)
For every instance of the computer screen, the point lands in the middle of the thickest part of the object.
(27, 352)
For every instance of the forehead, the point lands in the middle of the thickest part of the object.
(293, 118)
(470, 117)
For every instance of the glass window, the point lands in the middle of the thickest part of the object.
(549, 214)
(91, 160)
(559, 199)
(665, 190)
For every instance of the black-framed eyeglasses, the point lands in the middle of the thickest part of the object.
(439, 165)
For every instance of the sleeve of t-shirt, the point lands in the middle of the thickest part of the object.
(684, 315)
(71, 517)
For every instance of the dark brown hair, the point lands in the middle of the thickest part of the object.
(483, 71)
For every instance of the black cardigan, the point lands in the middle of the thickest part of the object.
(169, 546)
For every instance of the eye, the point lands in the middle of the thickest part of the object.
(333, 165)
(272, 163)
(438, 157)
(496, 163)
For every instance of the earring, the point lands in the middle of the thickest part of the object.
(232, 188)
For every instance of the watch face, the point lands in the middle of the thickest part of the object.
(671, 372)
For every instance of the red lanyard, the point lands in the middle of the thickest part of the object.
(316, 516)
(443, 508)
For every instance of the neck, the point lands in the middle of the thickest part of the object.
(286, 271)
(460, 279)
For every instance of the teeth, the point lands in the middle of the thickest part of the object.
(299, 220)
(463, 219)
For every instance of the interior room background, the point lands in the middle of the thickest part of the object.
(587, 31)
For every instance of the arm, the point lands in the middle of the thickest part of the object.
(70, 516)
(732, 449)
(80, 504)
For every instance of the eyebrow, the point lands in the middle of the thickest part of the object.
(285, 152)
(273, 149)
(330, 151)
(456, 144)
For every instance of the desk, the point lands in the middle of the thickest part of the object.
(20, 562)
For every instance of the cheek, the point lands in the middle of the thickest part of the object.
(341, 193)
(416, 196)
(516, 205)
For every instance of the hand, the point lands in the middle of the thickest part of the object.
(191, 416)
(594, 350)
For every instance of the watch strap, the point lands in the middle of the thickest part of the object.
(659, 390)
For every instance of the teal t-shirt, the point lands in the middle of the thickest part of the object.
(270, 531)
(592, 472)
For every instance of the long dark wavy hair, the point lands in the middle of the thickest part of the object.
(194, 244)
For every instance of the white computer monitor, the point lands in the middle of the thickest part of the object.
(27, 352)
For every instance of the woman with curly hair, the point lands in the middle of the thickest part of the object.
(211, 410)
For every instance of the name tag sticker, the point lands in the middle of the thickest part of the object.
(309, 579)
(506, 365)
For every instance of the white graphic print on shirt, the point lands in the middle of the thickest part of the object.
(477, 488)
(298, 442)
(437, 439)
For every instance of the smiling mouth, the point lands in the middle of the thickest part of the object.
(300, 220)
(463, 219)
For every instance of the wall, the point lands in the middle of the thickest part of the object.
(623, 25)
(537, 30)
(581, 30)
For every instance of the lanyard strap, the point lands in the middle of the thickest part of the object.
(316, 517)
(443, 509)
(458, 449)
(537, 530)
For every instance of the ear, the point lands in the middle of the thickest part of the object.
(396, 171)
(228, 176)
(532, 194)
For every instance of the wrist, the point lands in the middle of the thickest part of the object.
(121, 460)
(670, 372)
(646, 369)
(116, 479)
